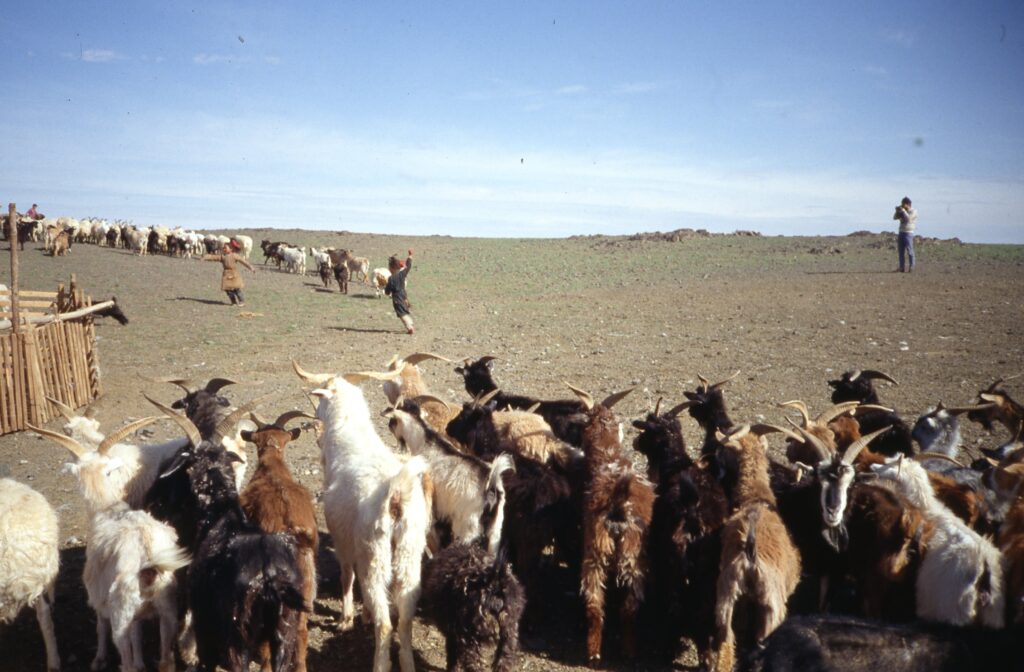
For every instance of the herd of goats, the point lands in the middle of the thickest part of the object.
(892, 552)
(59, 234)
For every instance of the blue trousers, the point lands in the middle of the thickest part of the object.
(905, 245)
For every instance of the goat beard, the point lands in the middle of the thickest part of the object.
(836, 537)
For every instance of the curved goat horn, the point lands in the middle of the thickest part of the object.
(356, 377)
(763, 428)
(186, 425)
(486, 359)
(921, 457)
(870, 408)
(854, 449)
(824, 452)
(736, 433)
(533, 407)
(585, 397)
(225, 426)
(854, 375)
(110, 439)
(260, 421)
(183, 383)
(417, 357)
(994, 386)
(723, 382)
(831, 414)
(615, 398)
(429, 397)
(484, 398)
(871, 374)
(288, 416)
(679, 408)
(959, 410)
(704, 383)
(216, 384)
(799, 405)
(311, 378)
(657, 406)
(64, 409)
(74, 446)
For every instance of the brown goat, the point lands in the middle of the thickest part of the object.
(759, 559)
(617, 509)
(1011, 543)
(61, 244)
(277, 503)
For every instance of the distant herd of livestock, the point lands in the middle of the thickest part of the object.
(59, 234)
(894, 554)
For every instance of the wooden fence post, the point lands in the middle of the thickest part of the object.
(12, 236)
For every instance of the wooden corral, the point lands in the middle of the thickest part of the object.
(46, 351)
(56, 358)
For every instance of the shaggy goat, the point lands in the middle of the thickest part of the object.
(759, 560)
(29, 559)
(1005, 411)
(829, 643)
(684, 545)
(617, 508)
(567, 417)
(461, 482)
(377, 509)
(130, 560)
(938, 429)
(278, 504)
(472, 595)
(961, 577)
(245, 586)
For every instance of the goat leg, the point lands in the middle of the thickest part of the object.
(99, 662)
(45, 618)
(592, 584)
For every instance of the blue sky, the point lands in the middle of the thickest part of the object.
(519, 118)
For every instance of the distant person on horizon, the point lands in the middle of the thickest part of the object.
(230, 279)
(907, 217)
(396, 290)
(33, 213)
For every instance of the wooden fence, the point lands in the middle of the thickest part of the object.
(57, 359)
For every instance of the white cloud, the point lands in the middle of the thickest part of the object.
(638, 87)
(99, 56)
(208, 59)
(572, 89)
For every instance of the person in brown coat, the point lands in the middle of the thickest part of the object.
(231, 280)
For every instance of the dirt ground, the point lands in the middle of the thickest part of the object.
(601, 313)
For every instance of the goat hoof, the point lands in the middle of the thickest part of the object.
(98, 664)
(345, 625)
(595, 661)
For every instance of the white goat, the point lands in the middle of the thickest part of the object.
(130, 559)
(961, 577)
(294, 258)
(377, 510)
(246, 244)
(29, 559)
(461, 482)
(320, 257)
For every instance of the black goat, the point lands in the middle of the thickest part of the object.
(857, 386)
(245, 587)
(828, 643)
(684, 544)
(567, 417)
(474, 598)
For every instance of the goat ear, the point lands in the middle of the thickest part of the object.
(246, 435)
(296, 431)
(182, 459)
(234, 457)
(640, 424)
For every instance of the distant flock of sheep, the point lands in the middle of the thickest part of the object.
(60, 233)
(894, 554)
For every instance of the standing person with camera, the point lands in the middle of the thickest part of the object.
(907, 217)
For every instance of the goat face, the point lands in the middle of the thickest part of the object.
(835, 478)
(857, 386)
(935, 427)
(270, 438)
(708, 408)
(477, 375)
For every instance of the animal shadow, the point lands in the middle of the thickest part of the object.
(209, 302)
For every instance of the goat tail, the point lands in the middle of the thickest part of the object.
(750, 544)
(401, 490)
(168, 560)
(492, 518)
